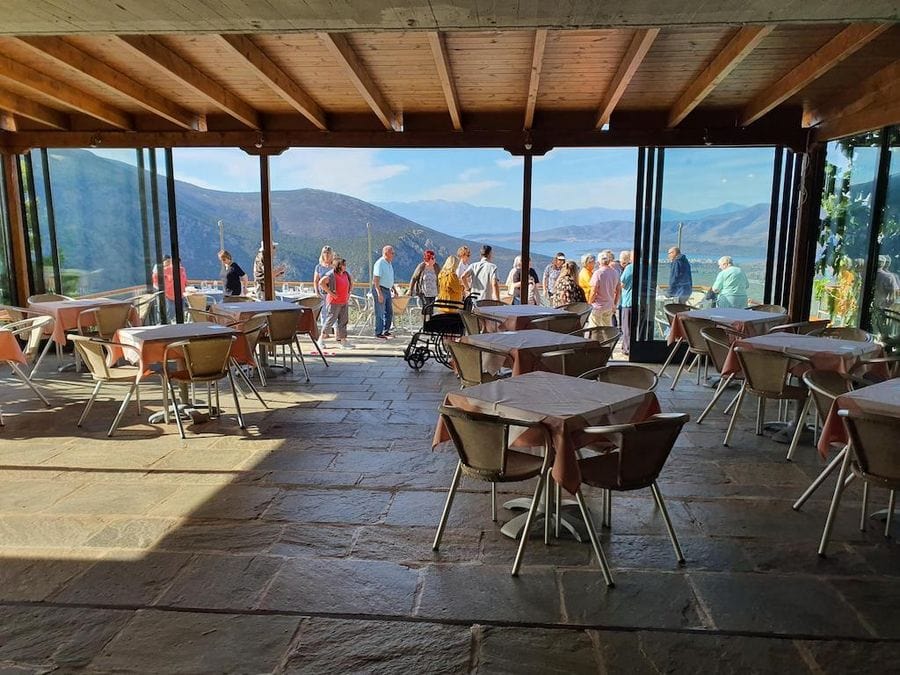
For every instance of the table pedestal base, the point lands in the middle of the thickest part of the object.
(568, 521)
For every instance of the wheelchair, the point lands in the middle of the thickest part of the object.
(441, 322)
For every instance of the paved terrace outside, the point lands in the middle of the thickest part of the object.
(304, 545)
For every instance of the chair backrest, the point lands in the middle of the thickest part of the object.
(11, 313)
(470, 322)
(283, 325)
(673, 308)
(607, 336)
(239, 298)
(482, 441)
(314, 303)
(93, 353)
(777, 309)
(574, 362)
(801, 327)
(582, 309)
(764, 371)
(717, 345)
(198, 301)
(626, 374)
(469, 364)
(557, 323)
(144, 304)
(32, 331)
(253, 327)
(106, 319)
(643, 449)
(873, 439)
(200, 315)
(489, 303)
(692, 327)
(206, 358)
(399, 303)
(825, 386)
(844, 333)
(47, 297)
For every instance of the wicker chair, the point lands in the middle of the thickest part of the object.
(47, 297)
(196, 302)
(251, 329)
(871, 456)
(471, 322)
(469, 362)
(775, 309)
(607, 336)
(800, 327)
(625, 374)
(482, 442)
(96, 355)
(238, 298)
(489, 303)
(103, 321)
(32, 331)
(696, 346)
(145, 304)
(718, 346)
(671, 310)
(282, 332)
(574, 362)
(205, 360)
(582, 309)
(844, 333)
(641, 451)
(314, 304)
(557, 323)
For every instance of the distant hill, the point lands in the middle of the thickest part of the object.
(99, 226)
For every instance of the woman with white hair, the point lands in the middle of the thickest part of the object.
(730, 285)
(587, 270)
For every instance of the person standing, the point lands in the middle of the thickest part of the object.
(169, 285)
(681, 281)
(626, 281)
(730, 285)
(449, 286)
(551, 274)
(464, 254)
(482, 276)
(336, 285)
(382, 292)
(587, 271)
(567, 289)
(234, 278)
(604, 291)
(259, 270)
(323, 267)
(424, 281)
(514, 282)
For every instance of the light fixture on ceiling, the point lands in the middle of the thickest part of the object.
(528, 140)
(260, 141)
(706, 139)
(95, 141)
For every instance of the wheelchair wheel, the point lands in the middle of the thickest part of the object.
(442, 352)
(417, 357)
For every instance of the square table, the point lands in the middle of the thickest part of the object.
(516, 317)
(65, 313)
(151, 341)
(565, 405)
(242, 311)
(824, 353)
(746, 322)
(522, 349)
(879, 399)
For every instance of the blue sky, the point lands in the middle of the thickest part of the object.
(563, 179)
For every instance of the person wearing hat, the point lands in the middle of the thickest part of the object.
(551, 274)
(259, 271)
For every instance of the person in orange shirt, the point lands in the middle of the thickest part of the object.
(169, 285)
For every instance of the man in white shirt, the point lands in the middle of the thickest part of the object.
(382, 292)
(482, 276)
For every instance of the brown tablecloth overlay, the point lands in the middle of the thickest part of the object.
(881, 399)
(747, 322)
(151, 341)
(241, 311)
(521, 350)
(10, 349)
(825, 353)
(65, 313)
(564, 405)
(515, 317)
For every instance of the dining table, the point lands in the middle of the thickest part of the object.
(521, 350)
(65, 313)
(743, 322)
(882, 398)
(565, 406)
(515, 317)
(238, 312)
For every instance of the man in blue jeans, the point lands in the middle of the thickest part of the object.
(382, 288)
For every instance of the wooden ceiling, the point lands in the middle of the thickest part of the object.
(463, 87)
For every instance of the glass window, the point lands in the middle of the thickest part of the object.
(6, 284)
(885, 308)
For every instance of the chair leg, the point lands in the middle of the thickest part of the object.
(697, 361)
(259, 371)
(90, 403)
(839, 488)
(801, 423)
(517, 563)
(734, 414)
(447, 504)
(494, 502)
(547, 482)
(556, 503)
(177, 412)
(832, 465)
(237, 402)
(863, 512)
(890, 513)
(660, 502)
(662, 370)
(680, 369)
(760, 414)
(300, 355)
(137, 396)
(243, 376)
(319, 349)
(22, 376)
(607, 509)
(723, 385)
(125, 402)
(730, 406)
(595, 542)
(37, 364)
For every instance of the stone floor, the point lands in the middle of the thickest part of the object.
(303, 545)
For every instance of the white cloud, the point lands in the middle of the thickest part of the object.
(615, 192)
(509, 162)
(468, 174)
(349, 171)
(461, 191)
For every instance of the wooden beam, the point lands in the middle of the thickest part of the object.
(34, 111)
(637, 50)
(868, 92)
(155, 52)
(8, 122)
(278, 80)
(883, 113)
(33, 80)
(537, 61)
(72, 57)
(842, 45)
(17, 244)
(739, 46)
(343, 53)
(442, 63)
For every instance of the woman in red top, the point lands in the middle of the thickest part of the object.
(336, 285)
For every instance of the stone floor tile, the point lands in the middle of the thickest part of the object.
(47, 531)
(331, 479)
(800, 557)
(489, 593)
(498, 549)
(34, 579)
(424, 508)
(396, 461)
(883, 558)
(769, 603)
(295, 460)
(836, 657)
(131, 533)
(198, 642)
(413, 544)
(195, 457)
(529, 651)
(240, 502)
(113, 499)
(379, 647)
(30, 496)
(876, 600)
(656, 552)
(342, 586)
(353, 506)
(231, 582)
(225, 536)
(315, 540)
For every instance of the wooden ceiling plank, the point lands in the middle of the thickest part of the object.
(343, 53)
(737, 49)
(537, 63)
(631, 61)
(841, 46)
(278, 80)
(8, 122)
(74, 58)
(34, 111)
(867, 92)
(881, 113)
(59, 91)
(155, 52)
(442, 63)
